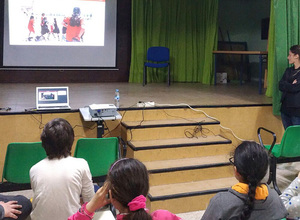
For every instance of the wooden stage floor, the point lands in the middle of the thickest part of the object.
(19, 96)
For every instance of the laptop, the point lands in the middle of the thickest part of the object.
(51, 98)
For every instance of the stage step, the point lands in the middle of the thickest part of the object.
(169, 123)
(162, 114)
(177, 148)
(187, 158)
(187, 197)
(188, 169)
(168, 128)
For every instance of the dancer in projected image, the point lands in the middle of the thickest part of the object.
(31, 28)
(44, 29)
(64, 29)
(55, 31)
(75, 27)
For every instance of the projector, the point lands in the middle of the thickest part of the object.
(102, 110)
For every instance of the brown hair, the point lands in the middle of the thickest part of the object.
(57, 138)
(128, 178)
(295, 50)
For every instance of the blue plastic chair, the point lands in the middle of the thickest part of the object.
(157, 57)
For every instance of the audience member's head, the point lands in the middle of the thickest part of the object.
(251, 164)
(129, 185)
(57, 138)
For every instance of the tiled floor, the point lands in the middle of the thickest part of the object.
(191, 215)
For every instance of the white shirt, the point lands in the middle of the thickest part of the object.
(57, 185)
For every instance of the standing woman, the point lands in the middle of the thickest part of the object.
(289, 85)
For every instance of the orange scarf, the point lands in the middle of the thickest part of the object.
(261, 192)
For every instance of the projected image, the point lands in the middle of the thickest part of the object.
(57, 22)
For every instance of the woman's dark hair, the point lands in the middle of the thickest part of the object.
(251, 162)
(295, 50)
(128, 178)
(57, 138)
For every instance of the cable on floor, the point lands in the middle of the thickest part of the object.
(198, 110)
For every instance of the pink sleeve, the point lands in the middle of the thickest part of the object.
(82, 216)
(164, 215)
(78, 216)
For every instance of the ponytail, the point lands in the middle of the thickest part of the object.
(140, 214)
(251, 162)
(249, 204)
(137, 208)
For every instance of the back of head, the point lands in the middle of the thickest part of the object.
(57, 138)
(251, 162)
(128, 178)
(295, 49)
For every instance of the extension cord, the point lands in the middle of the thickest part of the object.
(145, 104)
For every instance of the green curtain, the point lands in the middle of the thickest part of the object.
(187, 27)
(271, 52)
(287, 32)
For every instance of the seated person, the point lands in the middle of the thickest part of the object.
(14, 207)
(59, 180)
(248, 199)
(127, 184)
(291, 199)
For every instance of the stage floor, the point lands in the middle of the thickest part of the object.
(19, 97)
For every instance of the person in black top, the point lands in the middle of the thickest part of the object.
(14, 207)
(289, 85)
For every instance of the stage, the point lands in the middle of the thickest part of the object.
(238, 107)
(19, 96)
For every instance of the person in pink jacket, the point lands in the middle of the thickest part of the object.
(127, 185)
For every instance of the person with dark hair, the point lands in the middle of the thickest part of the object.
(289, 85)
(249, 199)
(75, 26)
(59, 181)
(45, 28)
(56, 29)
(14, 207)
(127, 184)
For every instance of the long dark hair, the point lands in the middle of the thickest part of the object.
(295, 49)
(128, 178)
(251, 162)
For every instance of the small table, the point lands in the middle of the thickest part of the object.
(100, 127)
(259, 53)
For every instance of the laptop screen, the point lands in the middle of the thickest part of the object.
(52, 97)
